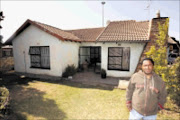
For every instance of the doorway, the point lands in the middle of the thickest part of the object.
(92, 55)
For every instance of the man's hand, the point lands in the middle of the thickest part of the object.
(129, 106)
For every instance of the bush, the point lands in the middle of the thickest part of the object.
(69, 71)
(173, 85)
(4, 102)
(4, 95)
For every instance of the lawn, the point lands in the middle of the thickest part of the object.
(68, 100)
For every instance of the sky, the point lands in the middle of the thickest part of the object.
(81, 14)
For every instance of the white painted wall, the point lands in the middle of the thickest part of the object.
(62, 53)
(135, 52)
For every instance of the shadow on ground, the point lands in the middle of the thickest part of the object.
(29, 101)
(10, 79)
(24, 100)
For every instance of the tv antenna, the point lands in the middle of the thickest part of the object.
(148, 8)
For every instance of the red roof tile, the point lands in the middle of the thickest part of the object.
(115, 31)
(57, 32)
(125, 31)
(87, 35)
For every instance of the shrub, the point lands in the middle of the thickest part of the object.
(173, 85)
(4, 102)
(69, 71)
(4, 95)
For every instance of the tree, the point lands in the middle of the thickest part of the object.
(174, 83)
(158, 53)
(1, 18)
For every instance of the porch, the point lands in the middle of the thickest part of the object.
(93, 78)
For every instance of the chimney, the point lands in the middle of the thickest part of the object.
(158, 14)
(153, 32)
(107, 22)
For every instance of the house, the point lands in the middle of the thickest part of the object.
(173, 46)
(7, 51)
(173, 50)
(118, 48)
(6, 58)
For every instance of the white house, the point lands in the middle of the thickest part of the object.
(118, 48)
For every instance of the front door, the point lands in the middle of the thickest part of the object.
(95, 58)
(92, 55)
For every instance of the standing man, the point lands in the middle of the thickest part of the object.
(146, 93)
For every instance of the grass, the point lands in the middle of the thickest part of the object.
(42, 100)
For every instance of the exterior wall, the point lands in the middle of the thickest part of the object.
(61, 52)
(152, 37)
(0, 52)
(135, 53)
(6, 63)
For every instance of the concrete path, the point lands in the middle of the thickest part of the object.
(90, 77)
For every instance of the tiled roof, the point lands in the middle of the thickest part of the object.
(58, 32)
(115, 31)
(87, 35)
(125, 31)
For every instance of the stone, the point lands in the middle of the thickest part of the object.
(123, 84)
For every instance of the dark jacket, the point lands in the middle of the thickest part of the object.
(147, 96)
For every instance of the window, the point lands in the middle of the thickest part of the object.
(7, 52)
(118, 58)
(40, 57)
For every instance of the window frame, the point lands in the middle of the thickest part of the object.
(31, 54)
(121, 60)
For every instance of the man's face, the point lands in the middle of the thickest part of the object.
(147, 67)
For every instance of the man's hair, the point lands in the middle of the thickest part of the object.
(150, 59)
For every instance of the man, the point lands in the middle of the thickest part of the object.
(146, 93)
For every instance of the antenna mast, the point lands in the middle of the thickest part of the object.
(103, 13)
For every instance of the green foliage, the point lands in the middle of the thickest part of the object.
(159, 54)
(174, 83)
(69, 71)
(4, 95)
